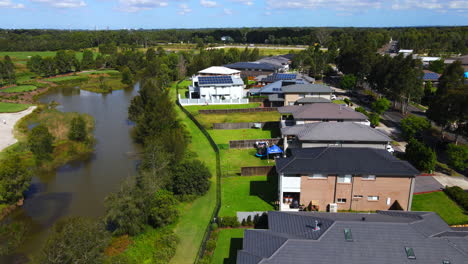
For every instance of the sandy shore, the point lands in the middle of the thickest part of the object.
(6, 130)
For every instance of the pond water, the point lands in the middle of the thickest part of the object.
(79, 188)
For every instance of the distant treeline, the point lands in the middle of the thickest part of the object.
(435, 39)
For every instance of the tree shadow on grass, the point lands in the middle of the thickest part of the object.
(266, 190)
(236, 244)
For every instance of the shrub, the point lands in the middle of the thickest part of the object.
(374, 119)
(191, 177)
(40, 142)
(412, 125)
(348, 82)
(78, 130)
(166, 245)
(457, 156)
(12, 236)
(14, 179)
(228, 221)
(163, 209)
(420, 155)
(361, 110)
(210, 245)
(458, 195)
(381, 105)
(347, 101)
(262, 221)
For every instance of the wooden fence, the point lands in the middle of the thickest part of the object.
(247, 125)
(258, 171)
(240, 110)
(246, 144)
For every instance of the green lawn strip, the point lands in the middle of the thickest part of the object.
(229, 241)
(12, 108)
(195, 216)
(67, 78)
(440, 203)
(91, 72)
(233, 159)
(194, 108)
(207, 120)
(183, 88)
(19, 89)
(223, 136)
(338, 102)
(247, 194)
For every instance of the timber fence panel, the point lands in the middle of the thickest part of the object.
(258, 171)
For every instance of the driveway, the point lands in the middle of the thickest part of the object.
(450, 181)
(426, 184)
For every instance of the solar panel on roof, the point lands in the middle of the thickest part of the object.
(215, 80)
(431, 76)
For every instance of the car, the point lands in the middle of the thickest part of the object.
(333, 97)
(390, 149)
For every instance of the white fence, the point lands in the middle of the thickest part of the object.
(213, 101)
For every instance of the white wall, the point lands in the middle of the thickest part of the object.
(290, 184)
(229, 92)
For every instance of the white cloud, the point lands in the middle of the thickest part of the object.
(244, 2)
(458, 4)
(438, 5)
(227, 11)
(62, 3)
(334, 4)
(139, 5)
(184, 9)
(9, 4)
(207, 3)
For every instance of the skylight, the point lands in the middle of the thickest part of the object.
(410, 253)
(348, 235)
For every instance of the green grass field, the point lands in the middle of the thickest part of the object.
(67, 78)
(12, 108)
(19, 89)
(207, 120)
(196, 215)
(338, 102)
(440, 203)
(194, 108)
(229, 241)
(99, 72)
(246, 194)
(233, 159)
(23, 56)
(223, 136)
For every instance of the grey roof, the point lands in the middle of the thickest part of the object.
(276, 97)
(277, 86)
(312, 100)
(307, 88)
(332, 160)
(253, 65)
(328, 111)
(336, 131)
(276, 60)
(381, 238)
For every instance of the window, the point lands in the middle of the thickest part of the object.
(317, 176)
(372, 198)
(410, 253)
(368, 177)
(341, 200)
(348, 235)
(357, 196)
(344, 178)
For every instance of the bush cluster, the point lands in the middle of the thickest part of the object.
(458, 195)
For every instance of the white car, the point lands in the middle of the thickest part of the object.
(389, 148)
(333, 97)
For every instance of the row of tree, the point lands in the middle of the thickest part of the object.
(7, 71)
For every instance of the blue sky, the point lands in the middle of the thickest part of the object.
(118, 14)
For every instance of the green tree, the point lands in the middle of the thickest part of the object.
(108, 48)
(457, 156)
(40, 142)
(191, 177)
(127, 76)
(164, 209)
(437, 66)
(413, 125)
(75, 240)
(34, 64)
(8, 71)
(88, 60)
(64, 61)
(15, 179)
(374, 119)
(420, 155)
(78, 131)
(348, 82)
(381, 105)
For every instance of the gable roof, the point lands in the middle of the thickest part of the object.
(307, 88)
(218, 70)
(323, 111)
(336, 131)
(253, 65)
(381, 238)
(332, 160)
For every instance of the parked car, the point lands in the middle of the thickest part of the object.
(389, 148)
(333, 97)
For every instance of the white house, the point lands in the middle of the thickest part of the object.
(217, 83)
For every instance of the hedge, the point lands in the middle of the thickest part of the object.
(458, 195)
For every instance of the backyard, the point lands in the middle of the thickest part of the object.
(229, 241)
(440, 203)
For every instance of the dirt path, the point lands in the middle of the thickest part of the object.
(6, 129)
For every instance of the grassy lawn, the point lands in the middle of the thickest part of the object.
(207, 120)
(195, 216)
(338, 102)
(183, 88)
(19, 89)
(93, 84)
(233, 159)
(223, 136)
(440, 203)
(12, 108)
(194, 108)
(99, 72)
(229, 241)
(248, 193)
(67, 78)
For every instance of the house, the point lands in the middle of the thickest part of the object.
(217, 87)
(280, 61)
(254, 68)
(432, 77)
(323, 112)
(358, 179)
(333, 134)
(384, 237)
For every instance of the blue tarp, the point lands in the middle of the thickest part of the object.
(466, 74)
(274, 150)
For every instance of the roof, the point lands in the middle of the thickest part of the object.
(279, 76)
(276, 60)
(276, 97)
(218, 70)
(311, 100)
(225, 80)
(430, 76)
(333, 160)
(307, 88)
(336, 131)
(253, 65)
(380, 238)
(328, 111)
(277, 86)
